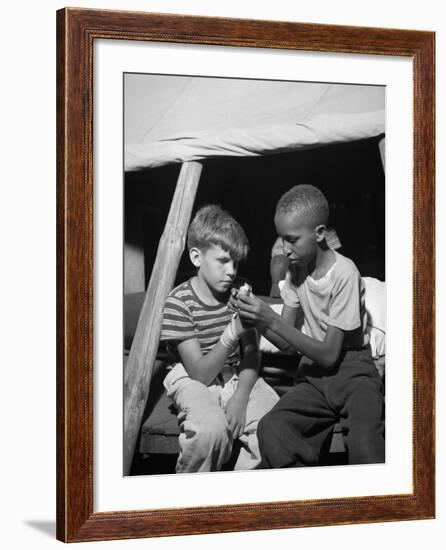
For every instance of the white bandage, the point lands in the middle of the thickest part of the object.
(232, 332)
(245, 289)
(229, 338)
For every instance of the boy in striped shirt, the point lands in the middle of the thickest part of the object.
(214, 381)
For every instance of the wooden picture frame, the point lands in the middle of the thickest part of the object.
(76, 31)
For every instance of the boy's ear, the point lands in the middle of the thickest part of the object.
(320, 232)
(195, 256)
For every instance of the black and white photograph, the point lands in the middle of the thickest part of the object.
(254, 274)
(151, 122)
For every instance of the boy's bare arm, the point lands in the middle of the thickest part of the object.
(278, 329)
(203, 368)
(248, 373)
(250, 364)
(324, 353)
(289, 315)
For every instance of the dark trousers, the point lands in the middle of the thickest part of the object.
(294, 432)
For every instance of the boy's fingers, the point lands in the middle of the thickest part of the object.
(246, 299)
(234, 426)
(246, 306)
(230, 420)
(247, 317)
(249, 304)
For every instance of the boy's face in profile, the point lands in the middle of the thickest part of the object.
(216, 268)
(299, 236)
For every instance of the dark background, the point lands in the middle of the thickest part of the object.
(350, 175)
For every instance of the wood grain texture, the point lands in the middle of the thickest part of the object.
(76, 31)
(138, 371)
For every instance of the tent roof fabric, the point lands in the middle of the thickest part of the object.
(179, 119)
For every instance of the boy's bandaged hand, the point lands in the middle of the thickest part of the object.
(232, 332)
(245, 289)
(235, 328)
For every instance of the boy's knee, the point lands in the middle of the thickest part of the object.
(281, 446)
(214, 432)
(365, 401)
(205, 442)
(266, 431)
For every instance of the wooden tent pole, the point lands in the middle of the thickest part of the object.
(138, 371)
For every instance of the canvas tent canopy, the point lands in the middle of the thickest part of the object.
(199, 118)
(186, 120)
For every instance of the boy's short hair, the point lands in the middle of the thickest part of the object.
(307, 200)
(214, 226)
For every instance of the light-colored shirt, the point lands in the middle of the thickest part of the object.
(337, 299)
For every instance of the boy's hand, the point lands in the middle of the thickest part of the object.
(235, 411)
(237, 326)
(233, 299)
(254, 311)
(232, 332)
(244, 290)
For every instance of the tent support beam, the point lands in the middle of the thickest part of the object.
(138, 372)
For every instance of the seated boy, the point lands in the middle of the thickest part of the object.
(337, 380)
(218, 395)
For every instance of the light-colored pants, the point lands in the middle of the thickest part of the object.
(205, 437)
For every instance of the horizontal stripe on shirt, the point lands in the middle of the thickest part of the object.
(186, 317)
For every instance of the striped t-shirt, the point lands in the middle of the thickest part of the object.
(186, 316)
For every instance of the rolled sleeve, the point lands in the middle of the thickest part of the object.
(289, 293)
